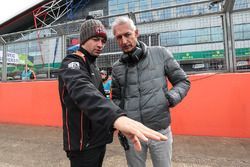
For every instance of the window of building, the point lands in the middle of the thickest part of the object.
(238, 32)
(112, 2)
(184, 11)
(169, 38)
(202, 35)
(241, 4)
(183, 1)
(122, 8)
(133, 6)
(157, 3)
(246, 31)
(187, 36)
(144, 5)
(192, 36)
(242, 31)
(122, 1)
(216, 34)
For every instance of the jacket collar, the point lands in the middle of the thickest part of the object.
(135, 56)
(144, 48)
(91, 58)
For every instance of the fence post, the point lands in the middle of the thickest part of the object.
(229, 41)
(4, 65)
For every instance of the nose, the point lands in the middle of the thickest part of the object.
(100, 43)
(124, 40)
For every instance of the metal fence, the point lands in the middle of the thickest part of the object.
(203, 39)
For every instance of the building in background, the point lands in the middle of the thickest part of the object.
(204, 36)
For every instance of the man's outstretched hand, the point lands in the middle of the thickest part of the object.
(134, 131)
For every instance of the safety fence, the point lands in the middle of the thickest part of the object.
(202, 38)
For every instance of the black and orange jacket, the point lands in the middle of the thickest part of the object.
(88, 116)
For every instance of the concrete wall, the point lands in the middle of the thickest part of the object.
(217, 105)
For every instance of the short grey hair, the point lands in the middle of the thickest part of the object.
(123, 20)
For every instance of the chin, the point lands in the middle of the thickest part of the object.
(95, 55)
(127, 50)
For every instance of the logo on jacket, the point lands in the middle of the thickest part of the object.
(74, 65)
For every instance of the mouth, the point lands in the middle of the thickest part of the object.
(98, 51)
(126, 47)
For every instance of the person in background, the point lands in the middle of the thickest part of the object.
(106, 81)
(89, 118)
(28, 74)
(139, 87)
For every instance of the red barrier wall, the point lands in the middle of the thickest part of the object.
(35, 103)
(217, 105)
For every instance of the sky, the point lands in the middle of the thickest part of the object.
(11, 8)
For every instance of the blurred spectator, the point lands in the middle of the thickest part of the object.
(28, 74)
(106, 81)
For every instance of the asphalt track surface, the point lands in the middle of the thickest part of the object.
(36, 146)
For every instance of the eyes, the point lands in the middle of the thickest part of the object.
(126, 35)
(96, 39)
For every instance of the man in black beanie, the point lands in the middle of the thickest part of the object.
(89, 119)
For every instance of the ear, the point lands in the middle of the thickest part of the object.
(136, 33)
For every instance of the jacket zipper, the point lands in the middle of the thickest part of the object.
(138, 77)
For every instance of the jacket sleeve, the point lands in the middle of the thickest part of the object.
(177, 77)
(85, 95)
(116, 89)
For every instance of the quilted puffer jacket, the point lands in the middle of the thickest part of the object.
(140, 88)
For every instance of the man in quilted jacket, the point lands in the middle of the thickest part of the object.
(139, 86)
